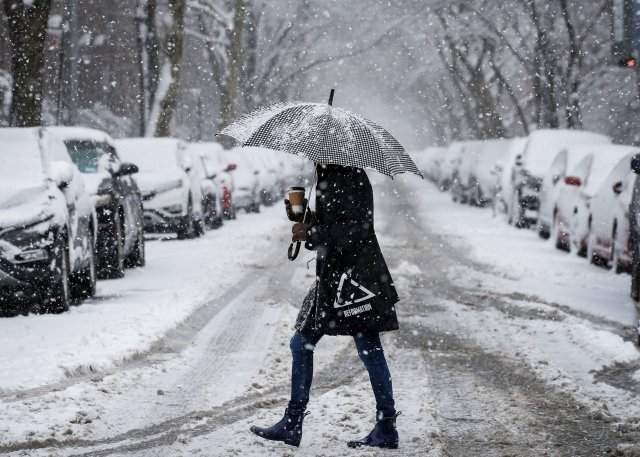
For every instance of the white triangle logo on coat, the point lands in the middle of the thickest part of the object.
(367, 292)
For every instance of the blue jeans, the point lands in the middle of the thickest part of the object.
(370, 351)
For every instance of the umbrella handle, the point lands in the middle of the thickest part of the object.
(293, 253)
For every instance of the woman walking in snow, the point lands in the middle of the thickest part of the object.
(353, 295)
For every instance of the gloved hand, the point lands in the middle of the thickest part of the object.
(299, 232)
(294, 217)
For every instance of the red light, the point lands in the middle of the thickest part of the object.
(629, 62)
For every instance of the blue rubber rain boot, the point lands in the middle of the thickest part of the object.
(384, 434)
(288, 430)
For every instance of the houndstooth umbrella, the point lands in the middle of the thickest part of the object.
(324, 134)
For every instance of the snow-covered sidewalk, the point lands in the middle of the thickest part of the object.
(127, 316)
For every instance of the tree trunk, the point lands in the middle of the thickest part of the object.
(27, 34)
(230, 88)
(166, 93)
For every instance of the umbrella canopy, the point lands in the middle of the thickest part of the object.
(324, 134)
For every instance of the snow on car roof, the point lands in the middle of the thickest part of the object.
(21, 162)
(605, 159)
(151, 154)
(544, 145)
(81, 133)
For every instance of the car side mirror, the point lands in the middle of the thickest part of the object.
(61, 173)
(617, 188)
(572, 181)
(127, 168)
(231, 167)
(635, 163)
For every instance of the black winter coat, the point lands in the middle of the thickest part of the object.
(354, 291)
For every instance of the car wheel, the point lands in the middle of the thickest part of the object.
(83, 283)
(615, 257)
(543, 232)
(111, 251)
(137, 257)
(516, 212)
(558, 236)
(58, 290)
(187, 227)
(635, 274)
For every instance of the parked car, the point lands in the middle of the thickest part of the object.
(449, 165)
(541, 149)
(264, 165)
(609, 242)
(246, 185)
(429, 162)
(216, 161)
(204, 171)
(553, 181)
(467, 154)
(481, 187)
(504, 189)
(47, 224)
(171, 192)
(573, 212)
(118, 199)
(634, 226)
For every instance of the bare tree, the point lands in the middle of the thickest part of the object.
(27, 23)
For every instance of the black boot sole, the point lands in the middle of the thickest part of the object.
(291, 441)
(357, 444)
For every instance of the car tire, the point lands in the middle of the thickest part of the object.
(137, 257)
(187, 227)
(635, 274)
(58, 292)
(111, 250)
(83, 283)
(516, 216)
(543, 232)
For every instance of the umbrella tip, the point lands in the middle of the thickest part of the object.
(331, 97)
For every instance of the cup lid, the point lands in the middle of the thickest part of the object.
(296, 189)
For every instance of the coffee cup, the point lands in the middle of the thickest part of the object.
(296, 198)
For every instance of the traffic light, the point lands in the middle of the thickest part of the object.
(628, 62)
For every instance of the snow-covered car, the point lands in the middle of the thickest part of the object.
(449, 165)
(466, 155)
(246, 185)
(265, 166)
(504, 189)
(541, 149)
(47, 223)
(573, 213)
(609, 242)
(553, 181)
(120, 242)
(481, 186)
(429, 161)
(215, 161)
(634, 228)
(171, 191)
(212, 189)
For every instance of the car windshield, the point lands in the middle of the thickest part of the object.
(85, 154)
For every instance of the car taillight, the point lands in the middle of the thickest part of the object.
(226, 198)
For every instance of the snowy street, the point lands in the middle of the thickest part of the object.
(497, 353)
